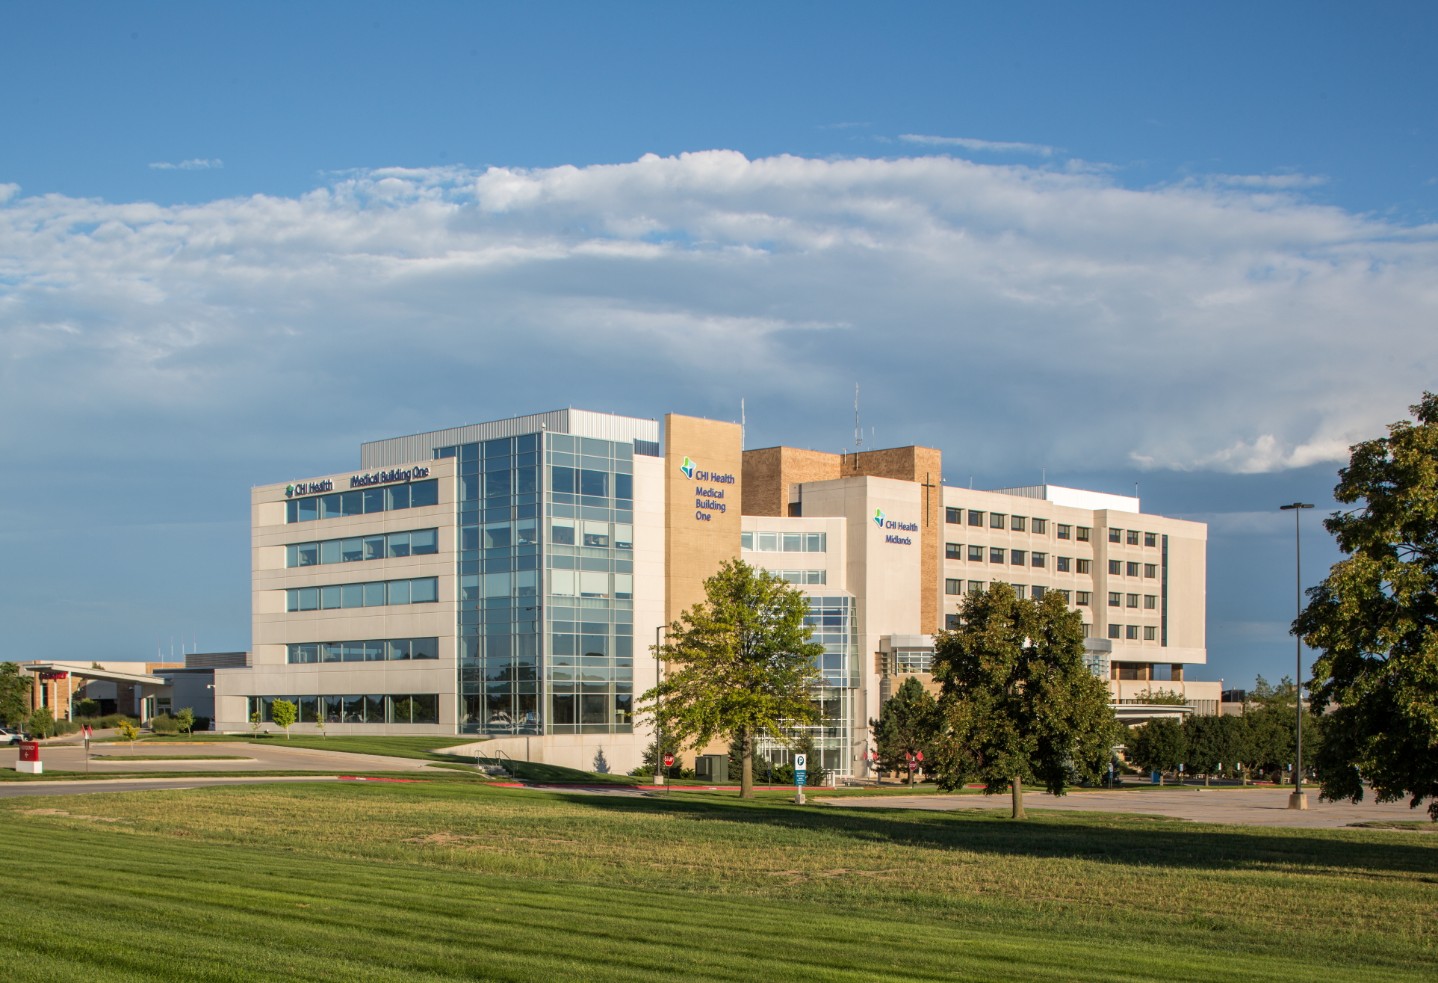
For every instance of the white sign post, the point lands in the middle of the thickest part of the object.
(801, 776)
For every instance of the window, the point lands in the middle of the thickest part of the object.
(1114, 631)
(1150, 539)
(1083, 598)
(1017, 557)
(953, 515)
(1041, 526)
(1087, 630)
(1131, 569)
(1150, 602)
(975, 586)
(1063, 564)
(996, 554)
(996, 520)
(951, 622)
(1115, 567)
(1019, 590)
(1082, 534)
(1130, 632)
(1115, 535)
(953, 551)
(1084, 566)
(1065, 531)
(1067, 595)
(1115, 599)
(356, 548)
(1133, 537)
(1038, 592)
(1150, 633)
(1150, 570)
(1038, 559)
(976, 518)
(1132, 600)
(421, 590)
(953, 587)
(1017, 523)
(976, 554)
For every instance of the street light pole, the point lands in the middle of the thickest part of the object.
(1296, 799)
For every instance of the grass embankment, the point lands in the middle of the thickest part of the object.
(447, 881)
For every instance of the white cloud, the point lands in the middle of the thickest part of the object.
(1015, 316)
(979, 146)
(193, 164)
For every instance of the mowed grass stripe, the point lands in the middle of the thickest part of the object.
(1013, 886)
(223, 913)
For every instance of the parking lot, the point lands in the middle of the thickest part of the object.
(1248, 806)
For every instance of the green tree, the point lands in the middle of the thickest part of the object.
(186, 719)
(1018, 704)
(1159, 746)
(42, 723)
(742, 664)
(128, 730)
(1269, 727)
(1214, 744)
(284, 714)
(1374, 619)
(653, 763)
(908, 723)
(255, 719)
(14, 695)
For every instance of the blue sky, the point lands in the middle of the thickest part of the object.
(1189, 246)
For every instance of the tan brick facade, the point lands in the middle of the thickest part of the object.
(702, 510)
(771, 473)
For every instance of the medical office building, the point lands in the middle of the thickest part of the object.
(507, 580)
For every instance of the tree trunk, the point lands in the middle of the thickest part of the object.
(746, 773)
(1017, 790)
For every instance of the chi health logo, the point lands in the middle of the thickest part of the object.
(879, 518)
(289, 491)
(688, 468)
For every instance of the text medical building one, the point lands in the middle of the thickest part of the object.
(508, 579)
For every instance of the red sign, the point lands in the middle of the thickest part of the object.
(29, 750)
(668, 760)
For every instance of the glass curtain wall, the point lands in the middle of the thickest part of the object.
(499, 593)
(546, 574)
(589, 576)
(835, 623)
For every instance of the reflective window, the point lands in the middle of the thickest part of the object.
(356, 548)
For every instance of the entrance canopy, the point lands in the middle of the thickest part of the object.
(90, 672)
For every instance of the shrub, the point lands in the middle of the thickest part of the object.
(164, 724)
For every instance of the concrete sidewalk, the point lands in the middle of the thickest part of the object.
(1238, 806)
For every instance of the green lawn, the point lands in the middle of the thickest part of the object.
(452, 880)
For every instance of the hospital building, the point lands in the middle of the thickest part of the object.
(508, 580)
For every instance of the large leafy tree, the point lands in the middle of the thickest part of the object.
(1374, 619)
(1159, 745)
(908, 723)
(14, 695)
(742, 663)
(1215, 744)
(1018, 704)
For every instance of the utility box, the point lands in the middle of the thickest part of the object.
(712, 767)
(29, 762)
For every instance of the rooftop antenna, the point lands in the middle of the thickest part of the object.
(858, 429)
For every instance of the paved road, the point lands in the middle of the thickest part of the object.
(257, 756)
(1252, 806)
